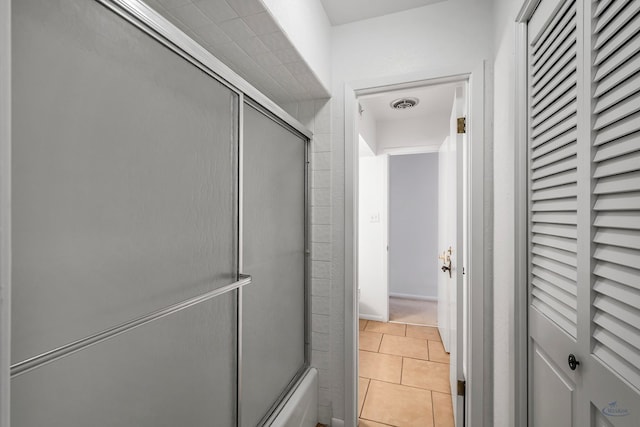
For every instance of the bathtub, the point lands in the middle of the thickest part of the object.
(301, 408)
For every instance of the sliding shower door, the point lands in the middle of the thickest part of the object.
(273, 252)
(124, 203)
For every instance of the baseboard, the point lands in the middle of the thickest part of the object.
(375, 317)
(335, 422)
(409, 296)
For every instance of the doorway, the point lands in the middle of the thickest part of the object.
(413, 238)
(405, 374)
(477, 390)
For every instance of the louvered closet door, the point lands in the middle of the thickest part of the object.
(612, 373)
(584, 188)
(553, 83)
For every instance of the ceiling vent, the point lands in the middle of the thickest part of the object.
(404, 103)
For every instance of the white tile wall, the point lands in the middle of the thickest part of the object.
(321, 251)
(321, 233)
(316, 115)
(320, 214)
(243, 35)
(320, 305)
(320, 323)
(320, 287)
(321, 269)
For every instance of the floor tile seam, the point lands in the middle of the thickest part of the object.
(379, 422)
(365, 397)
(422, 360)
(380, 343)
(376, 352)
(408, 386)
(423, 388)
(408, 357)
(433, 410)
(385, 333)
(412, 338)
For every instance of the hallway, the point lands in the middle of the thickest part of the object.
(404, 376)
(413, 311)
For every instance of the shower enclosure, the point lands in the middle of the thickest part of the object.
(145, 187)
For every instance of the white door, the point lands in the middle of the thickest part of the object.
(446, 190)
(451, 240)
(584, 222)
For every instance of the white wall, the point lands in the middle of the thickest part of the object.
(408, 44)
(368, 130)
(413, 225)
(411, 133)
(309, 30)
(372, 235)
(450, 32)
(315, 115)
(504, 235)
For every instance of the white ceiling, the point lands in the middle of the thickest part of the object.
(435, 100)
(345, 11)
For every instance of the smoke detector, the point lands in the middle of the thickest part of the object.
(404, 103)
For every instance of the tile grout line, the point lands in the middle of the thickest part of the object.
(433, 409)
(365, 397)
(409, 386)
(374, 421)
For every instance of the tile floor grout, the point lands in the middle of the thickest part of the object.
(370, 381)
(400, 383)
(406, 357)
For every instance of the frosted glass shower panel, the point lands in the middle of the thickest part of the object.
(124, 175)
(176, 371)
(273, 306)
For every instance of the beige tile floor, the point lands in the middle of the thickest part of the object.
(404, 376)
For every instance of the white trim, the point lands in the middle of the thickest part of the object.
(5, 210)
(301, 408)
(479, 402)
(400, 151)
(527, 9)
(374, 317)
(479, 386)
(351, 324)
(411, 296)
(336, 422)
(520, 312)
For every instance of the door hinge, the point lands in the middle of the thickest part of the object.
(462, 388)
(462, 125)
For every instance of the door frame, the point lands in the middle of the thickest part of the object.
(521, 223)
(5, 208)
(479, 389)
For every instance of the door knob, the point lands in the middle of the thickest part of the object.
(446, 268)
(573, 362)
